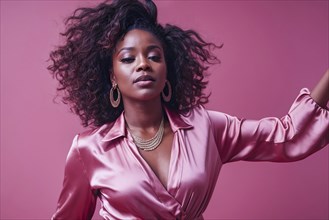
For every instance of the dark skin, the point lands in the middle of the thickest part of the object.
(138, 54)
(159, 159)
(141, 53)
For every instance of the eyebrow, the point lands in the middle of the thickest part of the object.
(151, 47)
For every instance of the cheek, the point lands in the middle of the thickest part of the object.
(163, 70)
(121, 73)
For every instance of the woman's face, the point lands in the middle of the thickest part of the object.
(139, 66)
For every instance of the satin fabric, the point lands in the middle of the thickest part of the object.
(105, 163)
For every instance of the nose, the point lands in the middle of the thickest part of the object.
(143, 65)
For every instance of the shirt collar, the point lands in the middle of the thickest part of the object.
(118, 129)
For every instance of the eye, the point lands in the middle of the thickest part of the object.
(155, 58)
(127, 60)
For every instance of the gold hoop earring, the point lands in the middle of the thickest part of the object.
(167, 97)
(115, 103)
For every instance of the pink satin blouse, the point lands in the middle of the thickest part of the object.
(105, 162)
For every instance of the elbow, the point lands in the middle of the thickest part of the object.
(300, 150)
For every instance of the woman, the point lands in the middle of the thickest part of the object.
(154, 151)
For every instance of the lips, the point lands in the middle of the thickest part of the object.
(144, 78)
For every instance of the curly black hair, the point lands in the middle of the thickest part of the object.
(83, 65)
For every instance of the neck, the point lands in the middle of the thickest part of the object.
(143, 115)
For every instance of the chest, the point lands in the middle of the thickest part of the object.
(180, 175)
(159, 159)
(184, 158)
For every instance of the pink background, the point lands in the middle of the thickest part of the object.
(271, 50)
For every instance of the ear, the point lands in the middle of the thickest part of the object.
(113, 79)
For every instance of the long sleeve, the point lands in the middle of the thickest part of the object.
(303, 131)
(77, 200)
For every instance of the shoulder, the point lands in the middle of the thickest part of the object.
(92, 139)
(214, 119)
(200, 114)
(96, 133)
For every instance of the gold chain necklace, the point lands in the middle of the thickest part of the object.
(152, 143)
